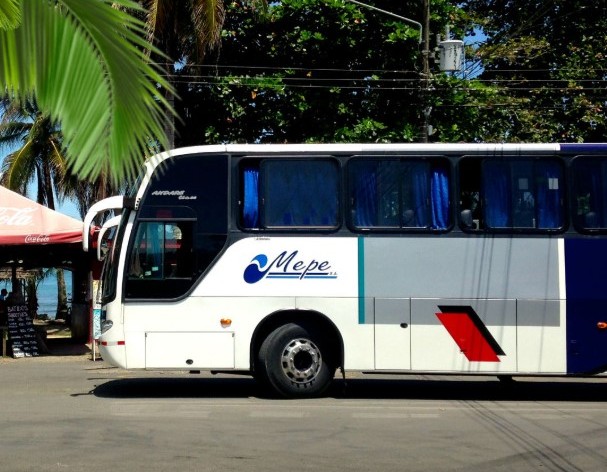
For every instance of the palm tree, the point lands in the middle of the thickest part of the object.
(36, 144)
(85, 63)
(184, 31)
(38, 156)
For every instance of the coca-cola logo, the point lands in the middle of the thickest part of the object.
(10, 216)
(37, 238)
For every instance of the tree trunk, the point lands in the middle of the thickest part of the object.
(169, 123)
(61, 295)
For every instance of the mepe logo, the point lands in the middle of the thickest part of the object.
(287, 266)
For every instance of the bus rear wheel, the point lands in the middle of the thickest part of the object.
(296, 362)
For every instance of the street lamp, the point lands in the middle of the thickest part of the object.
(389, 13)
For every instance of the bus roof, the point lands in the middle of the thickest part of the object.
(384, 148)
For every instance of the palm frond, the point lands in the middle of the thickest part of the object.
(12, 134)
(18, 169)
(10, 14)
(208, 17)
(86, 66)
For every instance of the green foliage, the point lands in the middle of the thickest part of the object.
(85, 63)
(547, 60)
(36, 154)
(311, 71)
(10, 16)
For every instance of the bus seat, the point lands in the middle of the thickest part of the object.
(590, 220)
(466, 219)
(409, 218)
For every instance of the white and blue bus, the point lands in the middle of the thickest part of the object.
(289, 262)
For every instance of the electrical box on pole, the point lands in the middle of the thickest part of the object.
(451, 55)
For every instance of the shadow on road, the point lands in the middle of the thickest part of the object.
(189, 387)
(569, 390)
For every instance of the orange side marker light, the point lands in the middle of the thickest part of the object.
(225, 322)
(601, 325)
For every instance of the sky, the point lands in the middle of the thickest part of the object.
(68, 207)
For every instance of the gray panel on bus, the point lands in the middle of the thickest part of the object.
(467, 267)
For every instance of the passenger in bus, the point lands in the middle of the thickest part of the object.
(184, 256)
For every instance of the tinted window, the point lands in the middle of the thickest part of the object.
(590, 193)
(197, 182)
(180, 228)
(162, 261)
(393, 194)
(523, 194)
(290, 193)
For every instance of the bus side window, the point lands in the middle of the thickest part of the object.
(399, 194)
(300, 193)
(471, 216)
(589, 193)
(523, 193)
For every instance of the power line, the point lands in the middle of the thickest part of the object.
(378, 71)
(372, 86)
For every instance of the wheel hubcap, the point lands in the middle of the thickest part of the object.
(301, 360)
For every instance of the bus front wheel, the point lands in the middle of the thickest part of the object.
(296, 361)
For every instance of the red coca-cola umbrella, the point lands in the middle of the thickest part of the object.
(23, 221)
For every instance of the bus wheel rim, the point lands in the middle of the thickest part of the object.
(301, 360)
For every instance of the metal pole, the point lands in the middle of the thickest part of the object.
(394, 15)
(424, 37)
(426, 72)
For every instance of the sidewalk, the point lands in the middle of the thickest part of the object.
(58, 349)
(67, 347)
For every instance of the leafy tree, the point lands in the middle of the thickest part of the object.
(184, 31)
(547, 60)
(86, 65)
(328, 71)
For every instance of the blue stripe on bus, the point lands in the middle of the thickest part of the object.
(361, 280)
(583, 147)
(586, 280)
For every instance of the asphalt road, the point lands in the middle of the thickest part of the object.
(72, 414)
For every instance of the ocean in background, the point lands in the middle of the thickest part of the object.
(47, 294)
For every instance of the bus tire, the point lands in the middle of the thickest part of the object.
(296, 362)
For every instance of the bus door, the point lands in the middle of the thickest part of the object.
(180, 230)
(392, 333)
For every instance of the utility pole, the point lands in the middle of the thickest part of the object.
(424, 38)
(425, 82)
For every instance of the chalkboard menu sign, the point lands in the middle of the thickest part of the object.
(21, 331)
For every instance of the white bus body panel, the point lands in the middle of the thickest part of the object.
(385, 306)
(190, 349)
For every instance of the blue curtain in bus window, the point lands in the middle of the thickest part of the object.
(497, 194)
(250, 208)
(440, 198)
(363, 193)
(549, 178)
(154, 249)
(300, 193)
(388, 194)
(421, 193)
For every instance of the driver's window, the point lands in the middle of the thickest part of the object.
(147, 257)
(162, 260)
